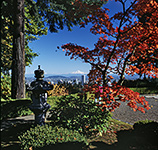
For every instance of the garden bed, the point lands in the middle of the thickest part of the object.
(119, 136)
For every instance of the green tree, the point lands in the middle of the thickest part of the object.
(18, 55)
(60, 13)
(38, 15)
(33, 29)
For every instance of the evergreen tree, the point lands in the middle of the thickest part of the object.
(37, 16)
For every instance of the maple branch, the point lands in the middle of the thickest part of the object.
(119, 65)
(120, 82)
(129, 29)
(132, 3)
(123, 3)
(136, 61)
(96, 65)
(119, 33)
(100, 69)
(154, 57)
(134, 25)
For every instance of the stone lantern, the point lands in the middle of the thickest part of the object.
(39, 89)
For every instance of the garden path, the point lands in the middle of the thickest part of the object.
(126, 114)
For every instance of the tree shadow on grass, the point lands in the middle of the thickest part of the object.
(65, 146)
(13, 109)
(143, 137)
(9, 137)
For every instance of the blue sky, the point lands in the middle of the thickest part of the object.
(53, 62)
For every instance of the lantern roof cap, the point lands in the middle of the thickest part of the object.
(39, 74)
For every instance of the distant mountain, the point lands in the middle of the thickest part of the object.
(72, 75)
(56, 76)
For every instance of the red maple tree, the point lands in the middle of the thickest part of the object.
(119, 50)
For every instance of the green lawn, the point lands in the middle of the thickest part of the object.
(145, 90)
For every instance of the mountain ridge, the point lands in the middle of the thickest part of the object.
(64, 76)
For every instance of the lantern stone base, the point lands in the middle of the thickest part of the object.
(40, 113)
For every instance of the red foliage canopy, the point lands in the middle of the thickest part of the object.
(127, 48)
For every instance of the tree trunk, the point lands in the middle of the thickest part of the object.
(18, 64)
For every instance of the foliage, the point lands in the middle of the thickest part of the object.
(68, 113)
(41, 136)
(33, 29)
(74, 88)
(58, 90)
(142, 86)
(140, 83)
(125, 37)
(39, 15)
(16, 108)
(121, 133)
(64, 13)
(52, 100)
(6, 87)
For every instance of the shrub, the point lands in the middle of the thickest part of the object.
(41, 136)
(139, 83)
(6, 87)
(52, 100)
(76, 114)
(73, 88)
(57, 90)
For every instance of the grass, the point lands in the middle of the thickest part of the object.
(145, 90)
(52, 100)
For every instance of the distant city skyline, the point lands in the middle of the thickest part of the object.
(55, 79)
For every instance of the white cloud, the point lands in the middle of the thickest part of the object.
(78, 72)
